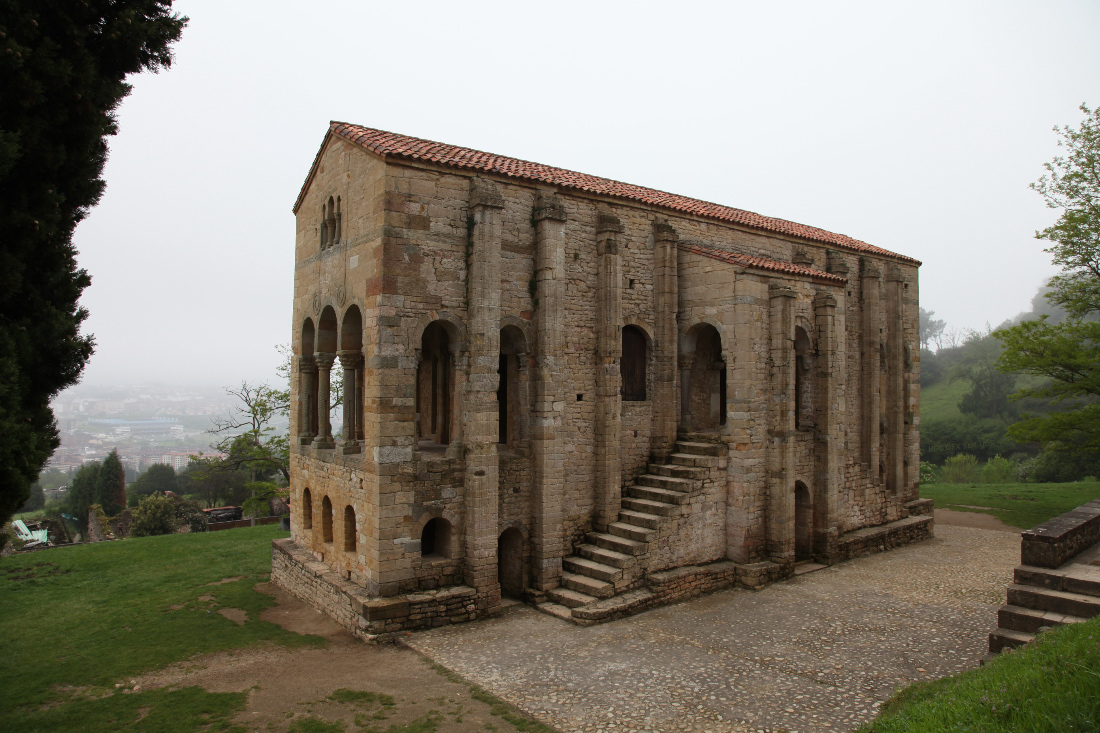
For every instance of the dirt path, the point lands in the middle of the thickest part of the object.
(952, 518)
(290, 685)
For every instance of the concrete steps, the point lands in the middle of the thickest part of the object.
(1030, 620)
(1006, 639)
(1056, 601)
(608, 562)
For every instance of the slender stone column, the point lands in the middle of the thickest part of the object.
(609, 351)
(324, 425)
(780, 511)
(546, 439)
(307, 398)
(870, 280)
(359, 401)
(666, 346)
(828, 375)
(349, 361)
(895, 382)
(480, 412)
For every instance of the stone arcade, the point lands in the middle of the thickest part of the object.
(588, 395)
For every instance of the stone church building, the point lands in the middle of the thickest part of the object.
(588, 395)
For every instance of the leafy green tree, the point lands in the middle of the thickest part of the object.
(157, 479)
(110, 485)
(63, 66)
(931, 329)
(37, 499)
(251, 442)
(1067, 354)
(82, 492)
(154, 515)
(991, 389)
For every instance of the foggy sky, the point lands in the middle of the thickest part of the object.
(913, 126)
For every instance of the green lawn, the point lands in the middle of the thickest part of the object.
(1018, 505)
(77, 620)
(1051, 685)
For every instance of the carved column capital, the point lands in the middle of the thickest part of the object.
(484, 192)
(664, 232)
(306, 364)
(835, 264)
(869, 268)
(350, 358)
(324, 359)
(781, 291)
(548, 206)
(893, 274)
(824, 301)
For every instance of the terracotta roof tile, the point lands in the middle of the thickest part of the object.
(386, 144)
(762, 263)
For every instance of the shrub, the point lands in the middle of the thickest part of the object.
(998, 470)
(927, 473)
(960, 469)
(190, 514)
(154, 515)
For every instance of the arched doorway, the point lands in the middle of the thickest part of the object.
(803, 523)
(435, 385)
(510, 562)
(703, 379)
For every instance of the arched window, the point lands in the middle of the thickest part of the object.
(435, 385)
(512, 388)
(633, 365)
(307, 509)
(349, 529)
(351, 362)
(435, 539)
(326, 520)
(803, 380)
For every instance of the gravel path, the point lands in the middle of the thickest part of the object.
(819, 652)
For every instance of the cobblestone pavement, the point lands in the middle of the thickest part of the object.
(819, 652)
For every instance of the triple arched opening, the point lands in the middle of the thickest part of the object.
(349, 532)
(331, 344)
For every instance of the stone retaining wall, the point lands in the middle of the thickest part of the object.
(1052, 543)
(882, 538)
(370, 619)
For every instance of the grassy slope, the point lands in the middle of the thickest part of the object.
(90, 616)
(1050, 685)
(941, 400)
(1018, 505)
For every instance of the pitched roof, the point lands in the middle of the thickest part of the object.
(390, 144)
(761, 263)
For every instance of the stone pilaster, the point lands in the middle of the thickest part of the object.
(666, 338)
(895, 383)
(830, 378)
(349, 362)
(780, 511)
(870, 281)
(307, 398)
(609, 348)
(324, 425)
(480, 429)
(549, 401)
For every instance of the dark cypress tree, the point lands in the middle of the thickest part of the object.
(82, 492)
(110, 485)
(63, 67)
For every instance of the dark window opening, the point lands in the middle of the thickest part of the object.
(633, 364)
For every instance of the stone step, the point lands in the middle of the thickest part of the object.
(1072, 578)
(1045, 599)
(1028, 620)
(556, 609)
(691, 459)
(630, 531)
(648, 506)
(605, 555)
(589, 586)
(670, 469)
(1008, 639)
(652, 493)
(617, 543)
(639, 519)
(702, 449)
(669, 483)
(591, 568)
(569, 598)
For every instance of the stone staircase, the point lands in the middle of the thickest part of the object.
(612, 563)
(1057, 581)
(1044, 597)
